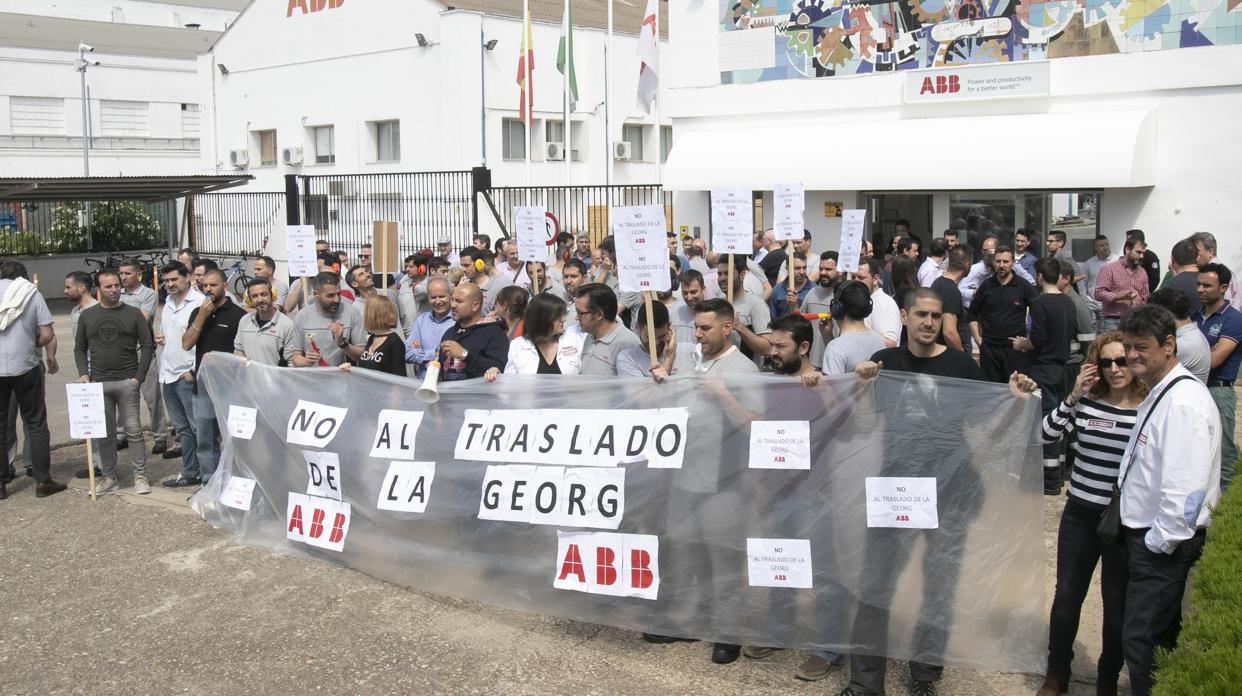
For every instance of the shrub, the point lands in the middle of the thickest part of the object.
(115, 226)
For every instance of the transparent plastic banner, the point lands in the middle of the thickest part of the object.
(901, 517)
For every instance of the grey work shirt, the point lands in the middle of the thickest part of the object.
(1193, 351)
(143, 298)
(267, 342)
(19, 351)
(311, 322)
(681, 320)
(731, 361)
(849, 349)
(74, 312)
(818, 301)
(599, 355)
(636, 362)
(753, 313)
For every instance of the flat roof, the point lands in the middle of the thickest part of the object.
(62, 34)
(627, 17)
(115, 188)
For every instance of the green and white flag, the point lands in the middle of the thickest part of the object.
(565, 56)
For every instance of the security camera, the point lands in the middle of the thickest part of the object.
(86, 48)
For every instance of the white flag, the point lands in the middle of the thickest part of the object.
(649, 59)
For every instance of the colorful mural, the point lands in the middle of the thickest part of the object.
(784, 39)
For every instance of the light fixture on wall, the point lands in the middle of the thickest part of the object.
(223, 70)
(491, 45)
(423, 42)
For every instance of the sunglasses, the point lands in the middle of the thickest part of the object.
(1105, 363)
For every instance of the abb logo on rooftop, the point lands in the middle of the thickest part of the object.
(307, 6)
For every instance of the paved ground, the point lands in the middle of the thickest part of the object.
(137, 595)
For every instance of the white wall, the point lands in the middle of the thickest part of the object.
(132, 12)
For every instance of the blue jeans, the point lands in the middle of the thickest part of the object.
(205, 435)
(179, 398)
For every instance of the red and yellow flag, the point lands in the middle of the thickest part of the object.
(526, 68)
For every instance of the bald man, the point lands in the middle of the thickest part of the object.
(469, 346)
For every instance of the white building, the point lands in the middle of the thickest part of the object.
(143, 94)
(1080, 117)
(327, 88)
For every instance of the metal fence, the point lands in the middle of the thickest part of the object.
(235, 223)
(32, 228)
(576, 209)
(426, 205)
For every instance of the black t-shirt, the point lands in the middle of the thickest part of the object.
(771, 264)
(220, 331)
(1054, 321)
(389, 357)
(950, 363)
(1187, 282)
(1151, 264)
(951, 301)
(1001, 309)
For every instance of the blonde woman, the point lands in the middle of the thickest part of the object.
(384, 350)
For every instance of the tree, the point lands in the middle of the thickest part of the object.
(115, 226)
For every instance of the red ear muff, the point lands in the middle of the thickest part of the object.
(567, 255)
(479, 265)
(422, 269)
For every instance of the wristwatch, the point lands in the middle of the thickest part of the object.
(464, 353)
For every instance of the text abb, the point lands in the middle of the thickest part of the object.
(316, 521)
(941, 84)
(607, 563)
(312, 5)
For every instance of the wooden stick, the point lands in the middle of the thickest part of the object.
(384, 245)
(730, 281)
(305, 292)
(651, 341)
(534, 283)
(789, 276)
(90, 466)
(35, 278)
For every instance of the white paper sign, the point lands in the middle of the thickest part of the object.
(852, 223)
(554, 495)
(531, 232)
(902, 502)
(621, 565)
(323, 474)
(242, 421)
(788, 205)
(86, 410)
(642, 248)
(237, 492)
(395, 434)
(300, 250)
(733, 221)
(780, 444)
(779, 562)
(407, 486)
(314, 424)
(317, 521)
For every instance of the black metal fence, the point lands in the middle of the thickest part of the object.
(575, 209)
(426, 206)
(42, 227)
(234, 223)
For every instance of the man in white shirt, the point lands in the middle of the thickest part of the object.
(1170, 481)
(176, 369)
(885, 317)
(932, 267)
(1091, 268)
(444, 249)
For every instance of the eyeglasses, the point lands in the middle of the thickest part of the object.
(1105, 363)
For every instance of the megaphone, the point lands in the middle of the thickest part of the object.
(430, 393)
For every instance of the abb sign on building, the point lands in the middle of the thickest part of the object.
(1023, 79)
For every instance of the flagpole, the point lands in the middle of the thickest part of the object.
(659, 126)
(530, 87)
(569, 62)
(608, 99)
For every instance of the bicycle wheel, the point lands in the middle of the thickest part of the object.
(239, 284)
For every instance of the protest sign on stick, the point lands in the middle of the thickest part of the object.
(86, 419)
(789, 203)
(733, 220)
(852, 222)
(300, 252)
(530, 228)
(385, 248)
(642, 256)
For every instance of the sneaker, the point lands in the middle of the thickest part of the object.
(172, 453)
(724, 653)
(758, 653)
(83, 473)
(814, 668)
(158, 447)
(106, 484)
(141, 487)
(182, 482)
(923, 688)
(43, 490)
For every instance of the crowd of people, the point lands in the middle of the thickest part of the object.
(1134, 371)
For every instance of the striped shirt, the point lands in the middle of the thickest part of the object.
(1103, 431)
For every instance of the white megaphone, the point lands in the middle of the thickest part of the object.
(429, 392)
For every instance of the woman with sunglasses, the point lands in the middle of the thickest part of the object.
(1101, 409)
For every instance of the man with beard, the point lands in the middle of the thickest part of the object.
(750, 326)
(1023, 258)
(1122, 284)
(672, 356)
(955, 330)
(789, 348)
(423, 344)
(681, 318)
(135, 294)
(573, 275)
(362, 281)
(818, 300)
(471, 346)
(213, 328)
(786, 299)
(176, 375)
(331, 332)
(265, 335)
(997, 315)
(265, 268)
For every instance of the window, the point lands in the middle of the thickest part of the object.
(325, 145)
(123, 118)
(666, 142)
(513, 145)
(633, 134)
(266, 141)
(554, 132)
(189, 120)
(37, 115)
(387, 141)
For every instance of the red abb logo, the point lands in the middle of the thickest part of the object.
(312, 6)
(623, 565)
(321, 522)
(940, 85)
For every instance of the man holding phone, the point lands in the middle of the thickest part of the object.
(213, 327)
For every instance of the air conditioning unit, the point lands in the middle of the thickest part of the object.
(291, 155)
(342, 188)
(621, 150)
(239, 158)
(554, 151)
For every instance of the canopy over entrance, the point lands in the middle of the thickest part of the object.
(115, 188)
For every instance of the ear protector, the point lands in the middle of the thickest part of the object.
(835, 306)
(567, 255)
(246, 296)
(479, 265)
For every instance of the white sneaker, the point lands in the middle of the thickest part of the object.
(141, 487)
(106, 485)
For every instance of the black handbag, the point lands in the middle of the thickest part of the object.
(1109, 527)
